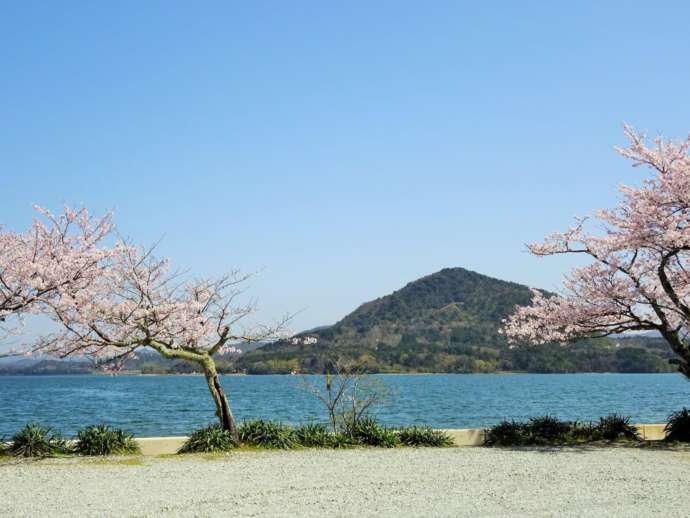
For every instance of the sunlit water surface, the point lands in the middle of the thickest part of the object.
(174, 405)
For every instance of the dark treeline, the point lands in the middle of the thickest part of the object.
(598, 356)
(624, 355)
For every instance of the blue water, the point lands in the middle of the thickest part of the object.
(174, 405)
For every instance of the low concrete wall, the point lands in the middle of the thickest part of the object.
(160, 445)
(467, 436)
(651, 432)
(461, 437)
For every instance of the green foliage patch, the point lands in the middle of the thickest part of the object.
(314, 435)
(506, 433)
(212, 439)
(615, 427)
(424, 436)
(268, 434)
(341, 441)
(678, 426)
(449, 322)
(550, 431)
(104, 440)
(35, 440)
(368, 432)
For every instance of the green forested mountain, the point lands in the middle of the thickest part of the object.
(446, 322)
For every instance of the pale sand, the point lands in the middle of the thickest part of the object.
(361, 482)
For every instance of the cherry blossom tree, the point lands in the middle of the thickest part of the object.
(639, 277)
(138, 303)
(58, 254)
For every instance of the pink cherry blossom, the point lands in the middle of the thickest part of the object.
(137, 302)
(639, 278)
(57, 255)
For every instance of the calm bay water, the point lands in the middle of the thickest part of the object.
(174, 405)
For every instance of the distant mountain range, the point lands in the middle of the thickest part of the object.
(444, 322)
(448, 322)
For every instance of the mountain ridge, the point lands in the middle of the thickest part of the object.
(447, 321)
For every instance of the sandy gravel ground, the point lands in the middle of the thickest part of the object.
(363, 482)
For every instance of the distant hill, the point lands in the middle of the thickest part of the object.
(45, 367)
(444, 322)
(146, 362)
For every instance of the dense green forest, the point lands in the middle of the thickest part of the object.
(448, 322)
(445, 322)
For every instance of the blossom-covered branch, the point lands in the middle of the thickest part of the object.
(639, 279)
(57, 255)
(137, 302)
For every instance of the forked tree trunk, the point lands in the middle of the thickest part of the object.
(227, 420)
(681, 348)
(684, 366)
(205, 360)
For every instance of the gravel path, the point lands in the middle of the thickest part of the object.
(364, 482)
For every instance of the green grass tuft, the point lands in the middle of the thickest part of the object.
(678, 426)
(368, 432)
(35, 440)
(550, 431)
(340, 441)
(268, 434)
(506, 433)
(615, 427)
(314, 435)
(104, 440)
(212, 439)
(424, 436)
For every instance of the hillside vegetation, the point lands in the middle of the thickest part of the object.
(448, 322)
(444, 322)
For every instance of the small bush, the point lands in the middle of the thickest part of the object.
(314, 436)
(212, 439)
(368, 432)
(103, 440)
(583, 432)
(424, 436)
(678, 426)
(340, 440)
(615, 427)
(506, 433)
(548, 430)
(268, 434)
(35, 440)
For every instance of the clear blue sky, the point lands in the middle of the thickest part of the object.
(348, 148)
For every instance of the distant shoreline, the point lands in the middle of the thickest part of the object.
(195, 374)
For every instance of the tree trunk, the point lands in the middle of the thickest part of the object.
(681, 349)
(227, 420)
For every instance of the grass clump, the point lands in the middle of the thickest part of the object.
(103, 440)
(35, 440)
(537, 431)
(550, 431)
(212, 439)
(506, 433)
(678, 426)
(341, 441)
(424, 436)
(368, 432)
(314, 435)
(615, 427)
(268, 434)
